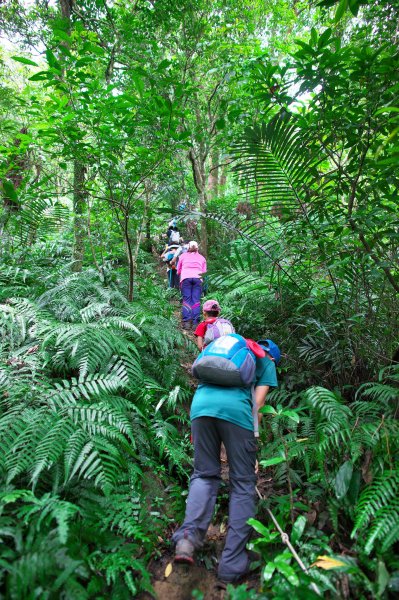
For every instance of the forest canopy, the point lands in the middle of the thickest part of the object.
(269, 130)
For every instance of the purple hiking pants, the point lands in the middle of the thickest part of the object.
(191, 289)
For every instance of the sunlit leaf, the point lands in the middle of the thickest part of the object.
(24, 61)
(327, 563)
(272, 461)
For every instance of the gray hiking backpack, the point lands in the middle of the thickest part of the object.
(174, 237)
(217, 329)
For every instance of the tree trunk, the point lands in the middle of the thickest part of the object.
(223, 174)
(66, 7)
(223, 177)
(131, 270)
(198, 167)
(147, 213)
(79, 172)
(213, 177)
(130, 258)
(203, 221)
(148, 227)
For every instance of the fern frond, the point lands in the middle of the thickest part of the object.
(367, 410)
(382, 393)
(51, 446)
(118, 322)
(96, 417)
(332, 438)
(80, 380)
(70, 391)
(74, 449)
(168, 442)
(384, 527)
(390, 532)
(378, 502)
(48, 508)
(21, 453)
(330, 407)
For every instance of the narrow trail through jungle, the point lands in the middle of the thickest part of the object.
(173, 581)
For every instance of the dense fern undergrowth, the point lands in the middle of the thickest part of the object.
(91, 427)
(270, 132)
(94, 449)
(330, 438)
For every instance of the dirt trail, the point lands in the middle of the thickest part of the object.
(183, 582)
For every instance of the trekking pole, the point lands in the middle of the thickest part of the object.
(286, 540)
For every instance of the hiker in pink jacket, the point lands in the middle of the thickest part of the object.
(190, 268)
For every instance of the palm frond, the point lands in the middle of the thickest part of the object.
(279, 163)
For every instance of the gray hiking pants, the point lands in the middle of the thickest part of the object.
(208, 434)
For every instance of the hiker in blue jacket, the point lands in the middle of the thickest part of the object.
(224, 415)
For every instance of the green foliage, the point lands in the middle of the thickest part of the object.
(378, 511)
(280, 573)
(328, 459)
(132, 110)
(81, 417)
(278, 163)
(319, 255)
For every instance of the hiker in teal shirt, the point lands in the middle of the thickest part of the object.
(224, 415)
(232, 404)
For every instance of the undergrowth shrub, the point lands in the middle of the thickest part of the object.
(337, 461)
(89, 407)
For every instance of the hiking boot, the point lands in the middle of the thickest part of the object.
(234, 578)
(223, 583)
(184, 552)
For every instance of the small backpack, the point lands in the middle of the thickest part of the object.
(217, 329)
(227, 361)
(170, 254)
(174, 237)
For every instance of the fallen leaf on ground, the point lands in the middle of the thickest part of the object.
(168, 570)
(327, 563)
